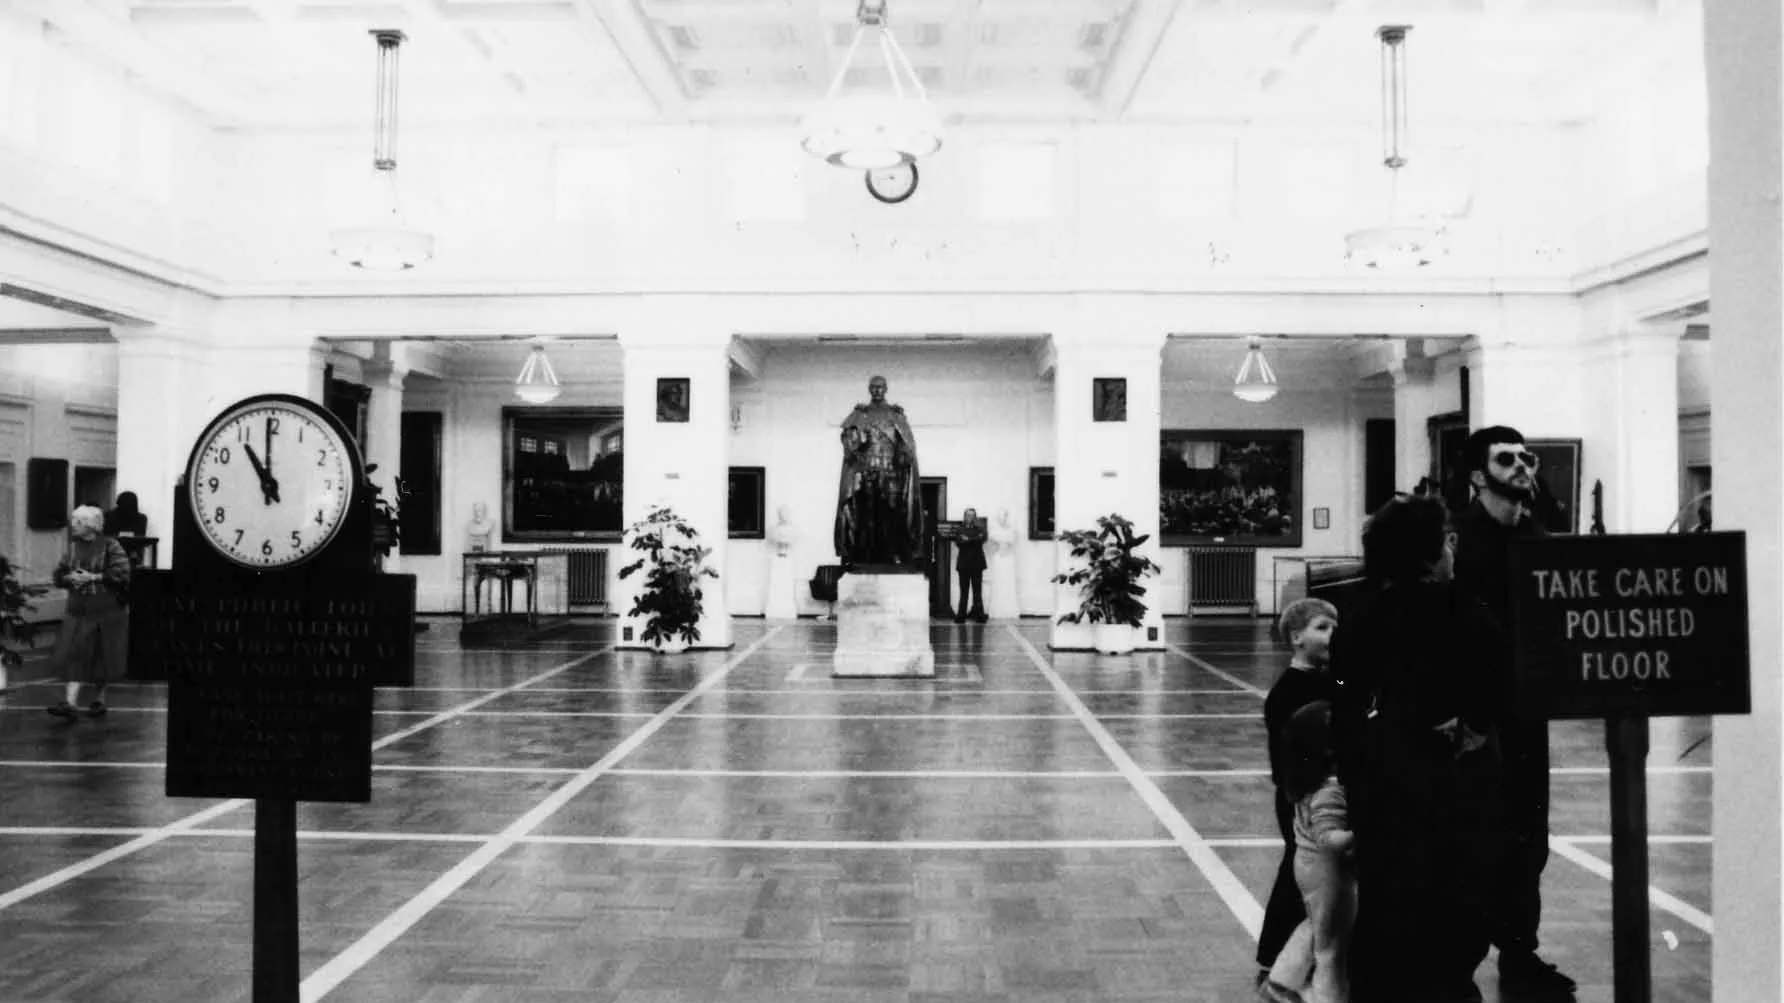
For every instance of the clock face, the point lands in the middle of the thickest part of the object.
(892, 185)
(271, 481)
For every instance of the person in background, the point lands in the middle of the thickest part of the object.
(971, 566)
(1314, 961)
(96, 623)
(125, 519)
(1307, 625)
(1504, 471)
(1420, 697)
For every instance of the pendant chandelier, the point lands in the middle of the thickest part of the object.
(388, 245)
(1256, 381)
(867, 130)
(537, 382)
(1405, 242)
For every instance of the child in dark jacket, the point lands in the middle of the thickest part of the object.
(1307, 625)
(1312, 966)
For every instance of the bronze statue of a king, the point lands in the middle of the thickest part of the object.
(879, 508)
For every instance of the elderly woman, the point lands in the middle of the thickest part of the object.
(96, 624)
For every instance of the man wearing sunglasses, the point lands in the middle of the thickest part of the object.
(1503, 471)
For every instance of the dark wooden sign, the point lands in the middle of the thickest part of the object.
(272, 691)
(1630, 626)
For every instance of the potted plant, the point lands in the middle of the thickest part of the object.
(15, 602)
(1108, 582)
(387, 525)
(671, 597)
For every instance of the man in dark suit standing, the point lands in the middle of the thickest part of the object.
(1503, 472)
(971, 565)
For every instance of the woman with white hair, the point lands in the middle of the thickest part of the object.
(96, 623)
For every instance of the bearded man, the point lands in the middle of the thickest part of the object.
(1503, 471)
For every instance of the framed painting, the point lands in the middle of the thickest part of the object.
(1449, 443)
(562, 474)
(1108, 399)
(746, 495)
(1230, 486)
(1040, 503)
(1558, 484)
(673, 399)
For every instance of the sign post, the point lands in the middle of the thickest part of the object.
(1626, 628)
(271, 630)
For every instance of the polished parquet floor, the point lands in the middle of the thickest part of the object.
(565, 822)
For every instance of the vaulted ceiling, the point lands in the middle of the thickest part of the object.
(307, 64)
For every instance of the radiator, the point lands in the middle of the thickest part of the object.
(1222, 576)
(587, 574)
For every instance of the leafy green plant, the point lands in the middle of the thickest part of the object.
(672, 594)
(387, 523)
(15, 602)
(1109, 573)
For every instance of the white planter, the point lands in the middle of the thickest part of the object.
(675, 645)
(1114, 638)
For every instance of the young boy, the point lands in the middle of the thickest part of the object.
(1307, 625)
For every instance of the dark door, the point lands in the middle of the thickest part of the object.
(937, 552)
(1378, 463)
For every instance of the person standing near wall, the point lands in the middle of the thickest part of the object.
(95, 639)
(971, 566)
(1503, 472)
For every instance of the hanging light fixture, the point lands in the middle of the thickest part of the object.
(388, 245)
(872, 130)
(1404, 242)
(1256, 381)
(537, 382)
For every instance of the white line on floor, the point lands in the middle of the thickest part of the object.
(899, 845)
(71, 830)
(868, 774)
(798, 672)
(342, 966)
(1226, 884)
(1659, 899)
(1198, 662)
(442, 717)
(1653, 840)
(346, 836)
(148, 839)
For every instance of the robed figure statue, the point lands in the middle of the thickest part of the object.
(879, 509)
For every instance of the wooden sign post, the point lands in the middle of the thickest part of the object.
(1626, 628)
(271, 630)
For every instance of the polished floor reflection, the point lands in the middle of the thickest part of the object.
(566, 822)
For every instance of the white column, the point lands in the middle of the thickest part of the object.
(1413, 395)
(384, 426)
(289, 364)
(1107, 467)
(1742, 45)
(159, 419)
(1633, 418)
(684, 465)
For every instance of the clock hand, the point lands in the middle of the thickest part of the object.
(271, 430)
(269, 488)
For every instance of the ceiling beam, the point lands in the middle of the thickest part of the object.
(1142, 31)
(814, 40)
(224, 103)
(56, 336)
(637, 43)
(432, 13)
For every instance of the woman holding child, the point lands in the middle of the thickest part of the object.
(1414, 728)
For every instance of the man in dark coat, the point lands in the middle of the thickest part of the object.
(971, 566)
(1503, 472)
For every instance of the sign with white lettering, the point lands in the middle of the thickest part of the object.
(1638, 625)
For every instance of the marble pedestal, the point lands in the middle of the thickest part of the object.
(783, 595)
(882, 627)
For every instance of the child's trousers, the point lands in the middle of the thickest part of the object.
(1313, 962)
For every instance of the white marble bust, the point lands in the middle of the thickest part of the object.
(782, 534)
(479, 531)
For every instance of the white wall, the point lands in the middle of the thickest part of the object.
(981, 415)
(56, 402)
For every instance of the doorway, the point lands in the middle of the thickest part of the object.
(937, 552)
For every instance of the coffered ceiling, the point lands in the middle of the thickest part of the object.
(308, 64)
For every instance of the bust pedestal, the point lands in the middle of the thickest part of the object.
(882, 626)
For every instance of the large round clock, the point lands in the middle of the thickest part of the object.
(271, 480)
(892, 185)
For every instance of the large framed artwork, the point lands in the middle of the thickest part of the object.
(1231, 486)
(1558, 497)
(1040, 503)
(561, 474)
(746, 498)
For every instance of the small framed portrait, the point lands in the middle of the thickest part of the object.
(1322, 518)
(1108, 398)
(672, 399)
